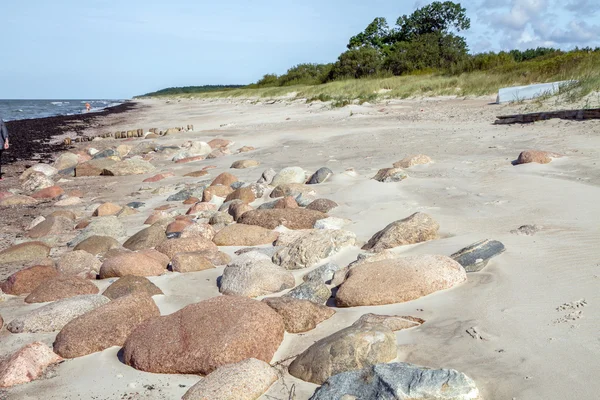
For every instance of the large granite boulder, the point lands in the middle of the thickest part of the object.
(131, 166)
(147, 238)
(131, 263)
(253, 274)
(292, 218)
(106, 326)
(54, 316)
(289, 175)
(61, 287)
(399, 381)
(27, 279)
(101, 226)
(205, 336)
(131, 284)
(244, 235)
(79, 263)
(398, 280)
(171, 247)
(350, 349)
(309, 250)
(417, 228)
(299, 315)
(26, 364)
(97, 245)
(476, 256)
(245, 380)
(24, 252)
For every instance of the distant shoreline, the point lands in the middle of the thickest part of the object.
(31, 139)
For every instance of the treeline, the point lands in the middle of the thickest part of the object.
(191, 89)
(420, 43)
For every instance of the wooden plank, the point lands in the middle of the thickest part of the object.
(578, 115)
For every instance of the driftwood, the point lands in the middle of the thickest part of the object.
(579, 115)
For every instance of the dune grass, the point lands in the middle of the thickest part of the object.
(584, 67)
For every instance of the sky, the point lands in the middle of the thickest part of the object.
(112, 49)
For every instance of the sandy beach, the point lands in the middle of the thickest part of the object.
(524, 328)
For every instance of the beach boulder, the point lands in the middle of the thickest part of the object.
(54, 316)
(131, 263)
(398, 280)
(244, 235)
(320, 176)
(245, 380)
(53, 225)
(17, 200)
(387, 175)
(97, 245)
(322, 205)
(171, 247)
(107, 209)
(299, 315)
(24, 252)
(289, 175)
(411, 161)
(26, 364)
(101, 226)
(131, 284)
(350, 349)
(314, 291)
(26, 280)
(417, 228)
(79, 263)
(61, 287)
(65, 161)
(476, 256)
(242, 164)
(191, 262)
(147, 238)
(401, 381)
(536, 156)
(106, 326)
(225, 179)
(292, 218)
(205, 336)
(48, 193)
(253, 274)
(131, 166)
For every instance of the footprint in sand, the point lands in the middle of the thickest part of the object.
(575, 313)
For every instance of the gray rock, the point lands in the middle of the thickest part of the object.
(398, 381)
(308, 250)
(131, 166)
(268, 251)
(314, 291)
(136, 204)
(54, 316)
(253, 274)
(526, 230)
(350, 349)
(267, 176)
(267, 206)
(304, 200)
(323, 205)
(322, 274)
(320, 176)
(237, 185)
(387, 175)
(186, 194)
(106, 153)
(101, 226)
(221, 219)
(225, 206)
(289, 175)
(476, 256)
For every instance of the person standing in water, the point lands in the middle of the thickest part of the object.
(3, 142)
(88, 107)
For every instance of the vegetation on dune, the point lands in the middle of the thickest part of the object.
(191, 89)
(421, 55)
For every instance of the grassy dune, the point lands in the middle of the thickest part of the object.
(581, 66)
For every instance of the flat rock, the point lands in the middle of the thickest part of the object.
(536, 156)
(289, 175)
(399, 381)
(322, 274)
(219, 143)
(171, 247)
(350, 349)
(320, 176)
(48, 193)
(526, 230)
(97, 245)
(411, 161)
(205, 336)
(17, 200)
(106, 326)
(398, 280)
(476, 256)
(245, 380)
(244, 235)
(292, 218)
(61, 287)
(133, 263)
(158, 177)
(131, 284)
(417, 228)
(101, 226)
(26, 280)
(310, 249)
(94, 167)
(322, 205)
(316, 292)
(26, 364)
(191, 262)
(54, 316)
(387, 175)
(242, 164)
(24, 252)
(394, 322)
(299, 315)
(253, 274)
(147, 238)
(79, 263)
(131, 166)
(53, 225)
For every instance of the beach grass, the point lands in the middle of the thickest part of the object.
(583, 67)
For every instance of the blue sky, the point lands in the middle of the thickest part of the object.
(118, 49)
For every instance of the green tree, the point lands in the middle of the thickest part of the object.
(268, 80)
(305, 74)
(437, 17)
(377, 35)
(357, 63)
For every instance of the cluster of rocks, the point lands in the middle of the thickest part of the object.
(152, 133)
(285, 230)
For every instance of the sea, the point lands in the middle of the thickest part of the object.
(11, 110)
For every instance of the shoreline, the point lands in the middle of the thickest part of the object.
(34, 139)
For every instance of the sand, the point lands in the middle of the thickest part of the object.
(514, 327)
